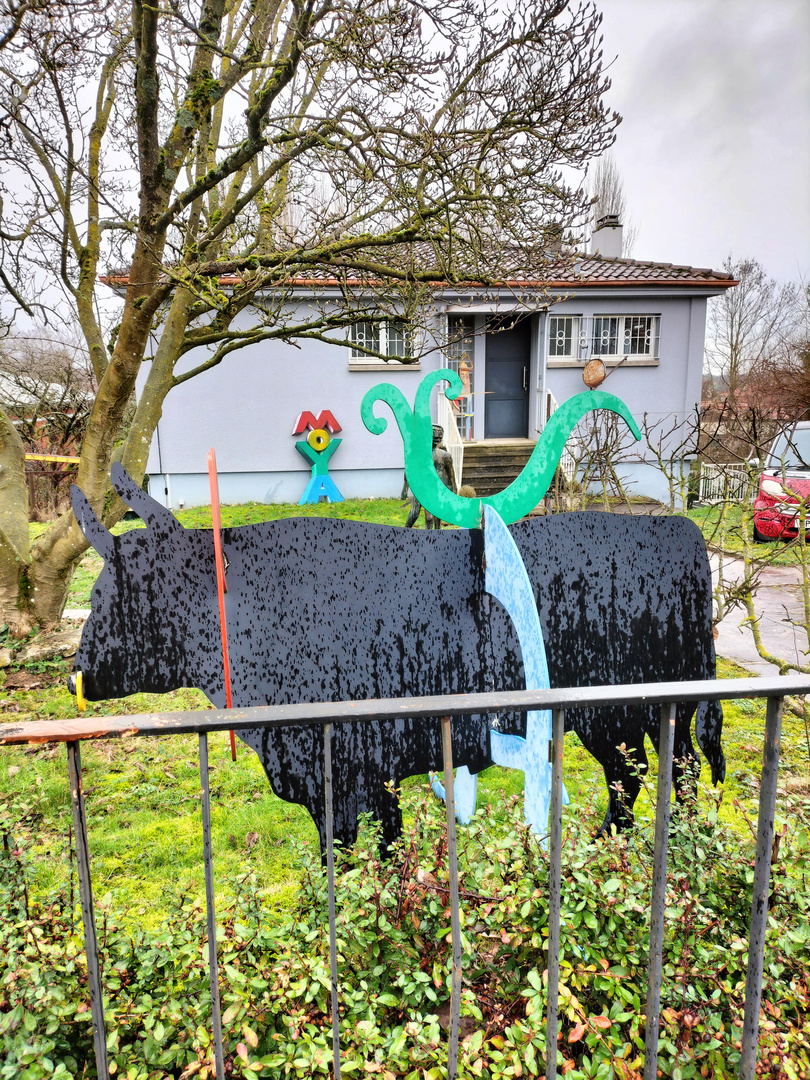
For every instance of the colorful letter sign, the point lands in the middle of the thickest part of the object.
(318, 450)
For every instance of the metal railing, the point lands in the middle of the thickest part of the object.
(452, 439)
(722, 483)
(568, 463)
(326, 715)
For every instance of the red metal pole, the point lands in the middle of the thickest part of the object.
(222, 588)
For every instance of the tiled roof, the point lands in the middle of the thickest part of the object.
(598, 270)
(570, 273)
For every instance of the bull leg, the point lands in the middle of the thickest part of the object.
(623, 777)
(685, 761)
(381, 804)
(708, 730)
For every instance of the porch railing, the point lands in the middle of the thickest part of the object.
(568, 463)
(326, 715)
(452, 439)
(722, 483)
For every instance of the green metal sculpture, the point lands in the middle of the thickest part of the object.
(516, 500)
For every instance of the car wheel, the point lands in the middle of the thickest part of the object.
(760, 539)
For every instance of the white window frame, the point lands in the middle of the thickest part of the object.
(556, 337)
(383, 335)
(588, 339)
(622, 339)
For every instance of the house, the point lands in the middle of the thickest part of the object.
(520, 349)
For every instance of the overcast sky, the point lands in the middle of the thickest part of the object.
(714, 149)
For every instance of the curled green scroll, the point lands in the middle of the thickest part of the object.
(515, 501)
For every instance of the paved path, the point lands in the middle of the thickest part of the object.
(778, 601)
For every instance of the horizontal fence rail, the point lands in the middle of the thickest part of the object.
(326, 715)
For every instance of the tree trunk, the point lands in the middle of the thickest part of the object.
(49, 582)
(14, 556)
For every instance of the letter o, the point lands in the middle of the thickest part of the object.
(319, 439)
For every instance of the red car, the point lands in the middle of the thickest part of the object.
(784, 481)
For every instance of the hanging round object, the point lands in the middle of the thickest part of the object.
(319, 439)
(594, 373)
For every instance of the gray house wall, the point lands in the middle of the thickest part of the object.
(664, 393)
(246, 407)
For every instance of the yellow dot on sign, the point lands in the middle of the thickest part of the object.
(319, 439)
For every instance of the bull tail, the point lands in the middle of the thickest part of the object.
(708, 731)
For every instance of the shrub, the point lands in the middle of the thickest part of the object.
(394, 958)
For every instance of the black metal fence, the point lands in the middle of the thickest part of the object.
(667, 695)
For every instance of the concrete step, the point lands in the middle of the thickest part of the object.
(491, 466)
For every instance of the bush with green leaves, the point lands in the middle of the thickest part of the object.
(393, 932)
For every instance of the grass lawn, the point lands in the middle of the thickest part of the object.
(144, 814)
(728, 531)
(143, 795)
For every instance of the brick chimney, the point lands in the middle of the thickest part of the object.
(606, 238)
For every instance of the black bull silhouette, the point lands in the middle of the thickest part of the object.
(326, 610)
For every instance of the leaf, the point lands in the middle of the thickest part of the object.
(250, 1035)
(474, 1042)
(602, 1022)
(230, 1013)
(242, 1051)
(577, 1032)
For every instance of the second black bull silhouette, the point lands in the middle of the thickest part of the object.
(325, 610)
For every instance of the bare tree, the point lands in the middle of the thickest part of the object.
(607, 197)
(48, 387)
(216, 152)
(787, 370)
(748, 325)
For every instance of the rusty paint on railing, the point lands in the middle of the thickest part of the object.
(340, 712)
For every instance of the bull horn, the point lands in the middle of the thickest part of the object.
(144, 505)
(95, 533)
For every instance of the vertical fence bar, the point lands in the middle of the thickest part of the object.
(455, 917)
(666, 743)
(88, 913)
(330, 872)
(762, 878)
(213, 968)
(554, 891)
